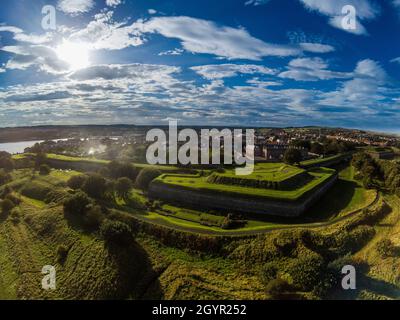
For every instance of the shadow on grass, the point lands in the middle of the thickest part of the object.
(136, 275)
(375, 286)
(333, 202)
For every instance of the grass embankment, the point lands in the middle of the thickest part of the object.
(321, 161)
(345, 197)
(201, 184)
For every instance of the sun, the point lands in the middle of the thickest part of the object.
(75, 54)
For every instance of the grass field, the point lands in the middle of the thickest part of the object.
(200, 183)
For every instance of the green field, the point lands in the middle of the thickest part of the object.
(268, 171)
(201, 183)
(94, 160)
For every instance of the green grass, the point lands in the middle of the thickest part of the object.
(345, 196)
(276, 172)
(194, 182)
(320, 161)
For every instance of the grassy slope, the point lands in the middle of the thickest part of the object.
(345, 196)
(382, 280)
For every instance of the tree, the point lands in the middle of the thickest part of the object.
(122, 187)
(76, 182)
(44, 170)
(95, 186)
(277, 287)
(93, 217)
(6, 162)
(4, 177)
(292, 156)
(125, 169)
(317, 148)
(7, 205)
(41, 158)
(77, 203)
(116, 232)
(145, 177)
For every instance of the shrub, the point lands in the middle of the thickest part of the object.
(386, 248)
(6, 191)
(77, 203)
(292, 156)
(15, 215)
(122, 170)
(14, 199)
(7, 206)
(268, 273)
(306, 271)
(93, 217)
(76, 182)
(62, 253)
(122, 187)
(4, 177)
(35, 190)
(145, 177)
(95, 186)
(277, 287)
(116, 232)
(44, 170)
(7, 164)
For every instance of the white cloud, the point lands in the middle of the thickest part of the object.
(103, 33)
(311, 69)
(25, 56)
(256, 2)
(366, 89)
(220, 71)
(201, 36)
(75, 7)
(333, 9)
(174, 52)
(10, 29)
(115, 71)
(316, 47)
(113, 3)
(395, 60)
(19, 35)
(152, 11)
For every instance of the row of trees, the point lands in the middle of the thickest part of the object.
(367, 168)
(325, 146)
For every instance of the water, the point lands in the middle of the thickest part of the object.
(17, 147)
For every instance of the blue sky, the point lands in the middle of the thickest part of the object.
(227, 62)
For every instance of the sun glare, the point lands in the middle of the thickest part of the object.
(74, 53)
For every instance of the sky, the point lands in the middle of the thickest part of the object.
(254, 63)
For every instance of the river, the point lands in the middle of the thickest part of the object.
(17, 147)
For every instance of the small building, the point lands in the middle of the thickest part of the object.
(275, 152)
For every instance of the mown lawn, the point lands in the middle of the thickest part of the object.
(201, 184)
(276, 172)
